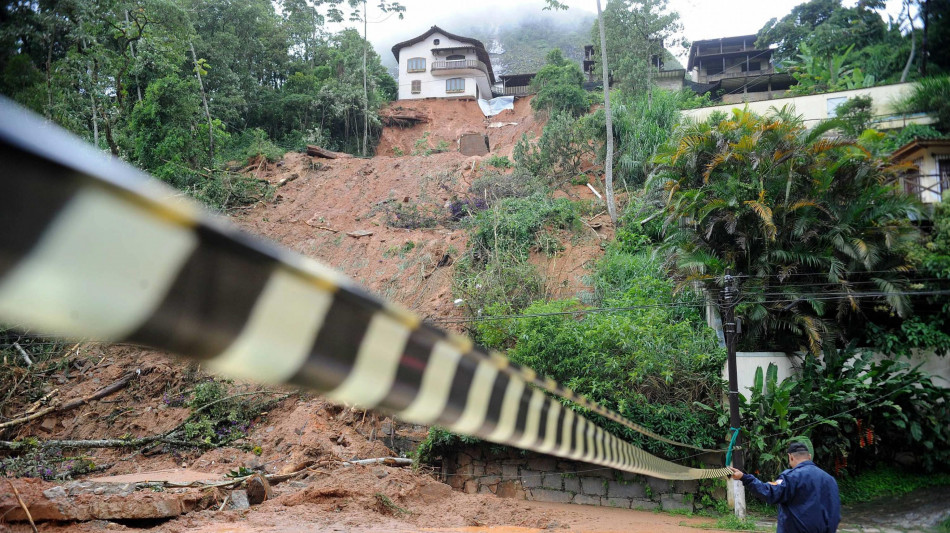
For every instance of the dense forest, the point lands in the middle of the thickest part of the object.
(179, 87)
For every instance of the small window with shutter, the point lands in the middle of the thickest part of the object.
(455, 85)
(416, 86)
(416, 64)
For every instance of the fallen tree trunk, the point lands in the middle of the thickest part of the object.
(405, 119)
(99, 443)
(112, 388)
(164, 438)
(316, 151)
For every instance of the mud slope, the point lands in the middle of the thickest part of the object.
(324, 203)
(337, 211)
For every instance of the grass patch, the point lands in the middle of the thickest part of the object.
(730, 522)
(886, 481)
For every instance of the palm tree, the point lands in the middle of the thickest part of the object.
(813, 226)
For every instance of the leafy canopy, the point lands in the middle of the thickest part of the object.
(814, 226)
(559, 86)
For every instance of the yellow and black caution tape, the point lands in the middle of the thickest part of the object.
(91, 247)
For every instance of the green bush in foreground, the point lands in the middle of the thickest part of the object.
(651, 364)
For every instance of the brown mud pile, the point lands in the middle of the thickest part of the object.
(341, 212)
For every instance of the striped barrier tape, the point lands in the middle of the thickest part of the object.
(93, 248)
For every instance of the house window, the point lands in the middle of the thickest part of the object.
(455, 85)
(435, 42)
(456, 57)
(943, 171)
(416, 64)
(416, 86)
(713, 69)
(833, 104)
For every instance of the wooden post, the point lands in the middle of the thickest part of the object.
(729, 331)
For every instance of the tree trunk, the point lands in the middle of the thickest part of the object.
(924, 52)
(113, 147)
(138, 84)
(913, 49)
(204, 100)
(365, 92)
(609, 159)
(49, 79)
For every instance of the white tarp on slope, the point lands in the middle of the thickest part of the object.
(494, 106)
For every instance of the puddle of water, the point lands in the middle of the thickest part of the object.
(923, 508)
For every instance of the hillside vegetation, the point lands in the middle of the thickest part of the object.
(834, 262)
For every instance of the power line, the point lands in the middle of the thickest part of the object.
(805, 297)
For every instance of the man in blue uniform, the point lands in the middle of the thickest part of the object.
(806, 495)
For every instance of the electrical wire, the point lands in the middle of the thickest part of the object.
(818, 296)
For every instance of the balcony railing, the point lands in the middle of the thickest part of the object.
(710, 78)
(461, 64)
(517, 91)
(932, 192)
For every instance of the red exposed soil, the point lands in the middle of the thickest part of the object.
(447, 120)
(313, 212)
(317, 204)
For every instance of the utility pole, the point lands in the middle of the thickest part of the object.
(729, 295)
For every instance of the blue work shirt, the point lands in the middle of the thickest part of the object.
(807, 499)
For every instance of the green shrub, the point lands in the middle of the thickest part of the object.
(558, 155)
(438, 441)
(499, 161)
(412, 216)
(931, 96)
(218, 419)
(514, 225)
(651, 364)
(559, 87)
(642, 125)
(855, 115)
(493, 186)
(857, 412)
(886, 481)
(422, 146)
(252, 144)
(497, 284)
(496, 272)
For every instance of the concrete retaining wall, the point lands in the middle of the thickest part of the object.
(528, 476)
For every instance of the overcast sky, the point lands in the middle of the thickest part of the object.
(702, 19)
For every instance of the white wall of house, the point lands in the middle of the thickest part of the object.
(747, 362)
(816, 107)
(432, 84)
(929, 160)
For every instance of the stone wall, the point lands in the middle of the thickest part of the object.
(526, 476)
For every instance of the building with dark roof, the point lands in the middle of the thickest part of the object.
(439, 64)
(740, 71)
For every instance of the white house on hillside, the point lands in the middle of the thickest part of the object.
(438, 64)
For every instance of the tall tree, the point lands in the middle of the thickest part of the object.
(638, 31)
(826, 26)
(609, 158)
(358, 14)
(815, 227)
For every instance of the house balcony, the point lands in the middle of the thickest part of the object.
(461, 66)
(519, 90)
(730, 74)
(928, 188)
